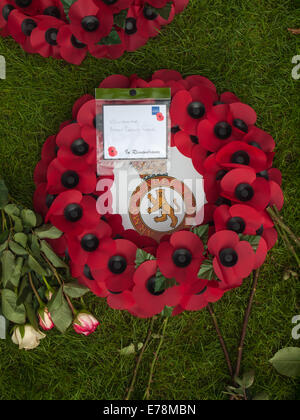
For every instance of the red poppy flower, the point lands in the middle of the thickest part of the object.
(238, 154)
(6, 7)
(198, 81)
(270, 235)
(148, 301)
(225, 123)
(87, 114)
(234, 259)
(198, 154)
(40, 173)
(238, 218)
(84, 276)
(62, 177)
(142, 242)
(20, 27)
(44, 37)
(149, 20)
(133, 39)
(197, 294)
(117, 6)
(39, 200)
(160, 117)
(115, 81)
(181, 257)
(59, 245)
(52, 8)
(90, 246)
(277, 198)
(188, 108)
(116, 268)
(72, 213)
(49, 150)
(242, 185)
(186, 143)
(167, 75)
(90, 22)
(71, 49)
(79, 103)
(116, 224)
(180, 5)
(77, 145)
(213, 174)
(112, 51)
(260, 139)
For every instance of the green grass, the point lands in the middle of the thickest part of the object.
(242, 46)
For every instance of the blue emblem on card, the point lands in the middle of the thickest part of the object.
(155, 110)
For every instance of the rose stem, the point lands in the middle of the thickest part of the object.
(132, 385)
(61, 283)
(35, 291)
(280, 222)
(147, 392)
(221, 339)
(246, 321)
(287, 243)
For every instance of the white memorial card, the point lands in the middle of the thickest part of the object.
(135, 132)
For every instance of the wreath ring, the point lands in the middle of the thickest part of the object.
(69, 29)
(189, 268)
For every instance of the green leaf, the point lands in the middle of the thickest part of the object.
(31, 315)
(24, 291)
(36, 267)
(75, 290)
(8, 263)
(167, 311)
(67, 5)
(287, 362)
(17, 272)
(263, 396)
(112, 39)
(3, 194)
(162, 283)
(3, 246)
(29, 218)
(21, 239)
(131, 349)
(48, 232)
(207, 271)
(35, 246)
(17, 249)
(18, 225)
(11, 310)
(12, 210)
(142, 256)
(252, 239)
(247, 380)
(4, 236)
(165, 11)
(120, 18)
(201, 232)
(60, 312)
(52, 257)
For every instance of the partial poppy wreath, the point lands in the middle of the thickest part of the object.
(190, 268)
(69, 29)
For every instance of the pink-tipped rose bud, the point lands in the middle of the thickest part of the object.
(85, 323)
(46, 322)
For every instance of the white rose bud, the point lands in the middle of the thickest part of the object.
(85, 323)
(45, 319)
(30, 340)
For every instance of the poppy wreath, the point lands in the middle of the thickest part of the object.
(69, 29)
(190, 268)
